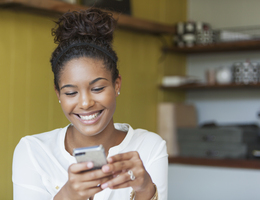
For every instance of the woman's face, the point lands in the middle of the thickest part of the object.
(88, 95)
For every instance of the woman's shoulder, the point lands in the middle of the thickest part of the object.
(139, 133)
(148, 144)
(48, 138)
(149, 135)
(44, 135)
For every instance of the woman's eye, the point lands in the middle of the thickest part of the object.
(98, 89)
(70, 93)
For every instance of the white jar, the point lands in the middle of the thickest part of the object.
(224, 75)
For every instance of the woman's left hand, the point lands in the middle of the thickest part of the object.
(122, 165)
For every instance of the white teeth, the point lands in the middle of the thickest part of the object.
(89, 117)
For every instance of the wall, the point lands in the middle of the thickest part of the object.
(222, 106)
(225, 13)
(29, 104)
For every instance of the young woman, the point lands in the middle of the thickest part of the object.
(87, 84)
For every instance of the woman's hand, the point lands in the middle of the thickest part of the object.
(120, 165)
(82, 184)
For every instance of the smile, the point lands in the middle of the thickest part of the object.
(90, 117)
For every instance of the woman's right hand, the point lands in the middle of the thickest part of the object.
(82, 184)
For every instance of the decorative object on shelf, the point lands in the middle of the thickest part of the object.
(224, 75)
(121, 6)
(188, 35)
(205, 37)
(191, 33)
(232, 34)
(246, 72)
(178, 80)
(172, 116)
(218, 142)
(227, 36)
(235, 46)
(70, 1)
(211, 76)
(239, 73)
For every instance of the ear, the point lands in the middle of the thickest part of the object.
(118, 83)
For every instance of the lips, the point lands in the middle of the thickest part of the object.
(89, 117)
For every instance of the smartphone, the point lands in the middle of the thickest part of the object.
(95, 154)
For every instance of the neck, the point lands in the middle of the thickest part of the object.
(109, 137)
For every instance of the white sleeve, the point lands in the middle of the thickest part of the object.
(27, 181)
(158, 169)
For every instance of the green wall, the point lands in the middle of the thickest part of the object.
(28, 102)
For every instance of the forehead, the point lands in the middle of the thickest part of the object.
(84, 69)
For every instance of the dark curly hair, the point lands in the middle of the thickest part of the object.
(88, 26)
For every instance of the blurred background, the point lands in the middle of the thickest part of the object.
(29, 104)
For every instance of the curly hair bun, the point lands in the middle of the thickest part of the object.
(86, 25)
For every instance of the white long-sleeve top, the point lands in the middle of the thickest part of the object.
(41, 162)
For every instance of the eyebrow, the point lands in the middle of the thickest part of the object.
(64, 86)
(95, 80)
(90, 83)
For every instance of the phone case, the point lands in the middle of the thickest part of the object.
(95, 154)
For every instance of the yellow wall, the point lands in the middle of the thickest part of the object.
(142, 64)
(28, 102)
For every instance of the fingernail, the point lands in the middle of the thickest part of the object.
(90, 164)
(106, 168)
(105, 185)
(109, 160)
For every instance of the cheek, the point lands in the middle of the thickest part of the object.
(108, 99)
(68, 104)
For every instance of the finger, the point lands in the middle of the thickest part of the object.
(98, 183)
(80, 167)
(123, 185)
(92, 175)
(122, 156)
(87, 188)
(86, 185)
(118, 180)
(115, 174)
(118, 166)
(90, 192)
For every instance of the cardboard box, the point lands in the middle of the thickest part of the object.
(172, 116)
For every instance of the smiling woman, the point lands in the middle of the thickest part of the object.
(88, 98)
(87, 83)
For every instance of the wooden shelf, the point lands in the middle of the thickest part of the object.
(229, 163)
(217, 47)
(217, 86)
(54, 8)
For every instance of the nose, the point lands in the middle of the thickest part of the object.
(86, 101)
